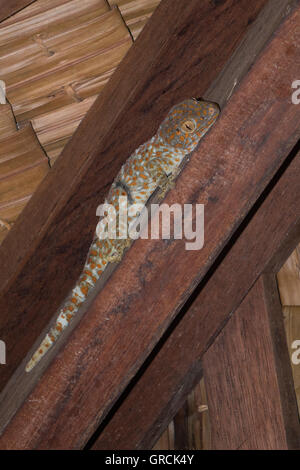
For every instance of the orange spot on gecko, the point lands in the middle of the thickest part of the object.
(84, 290)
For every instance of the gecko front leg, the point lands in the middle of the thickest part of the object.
(160, 177)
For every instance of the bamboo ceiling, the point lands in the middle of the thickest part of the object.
(55, 58)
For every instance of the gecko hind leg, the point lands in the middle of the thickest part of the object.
(158, 174)
(117, 253)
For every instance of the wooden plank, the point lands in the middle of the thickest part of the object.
(9, 214)
(38, 77)
(289, 280)
(190, 428)
(141, 416)
(191, 423)
(19, 152)
(199, 432)
(54, 61)
(240, 129)
(64, 8)
(166, 441)
(23, 165)
(31, 21)
(7, 121)
(21, 157)
(136, 13)
(9, 8)
(55, 128)
(292, 327)
(248, 377)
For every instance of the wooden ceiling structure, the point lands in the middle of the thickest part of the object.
(150, 332)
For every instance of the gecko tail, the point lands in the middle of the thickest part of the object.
(62, 321)
(70, 308)
(40, 352)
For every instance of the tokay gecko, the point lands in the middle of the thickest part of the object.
(153, 165)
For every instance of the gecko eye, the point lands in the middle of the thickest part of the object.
(188, 126)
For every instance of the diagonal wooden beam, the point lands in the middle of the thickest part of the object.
(248, 378)
(228, 173)
(269, 237)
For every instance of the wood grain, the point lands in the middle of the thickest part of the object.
(246, 167)
(166, 441)
(32, 20)
(292, 327)
(191, 423)
(289, 280)
(55, 60)
(55, 128)
(248, 378)
(7, 121)
(136, 13)
(23, 166)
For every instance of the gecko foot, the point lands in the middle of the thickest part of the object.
(117, 255)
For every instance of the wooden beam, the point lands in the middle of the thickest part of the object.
(44, 238)
(8, 8)
(251, 398)
(272, 232)
(256, 131)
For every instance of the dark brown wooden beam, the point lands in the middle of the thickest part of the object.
(257, 129)
(9, 7)
(251, 397)
(265, 243)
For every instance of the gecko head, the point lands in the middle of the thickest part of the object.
(187, 122)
